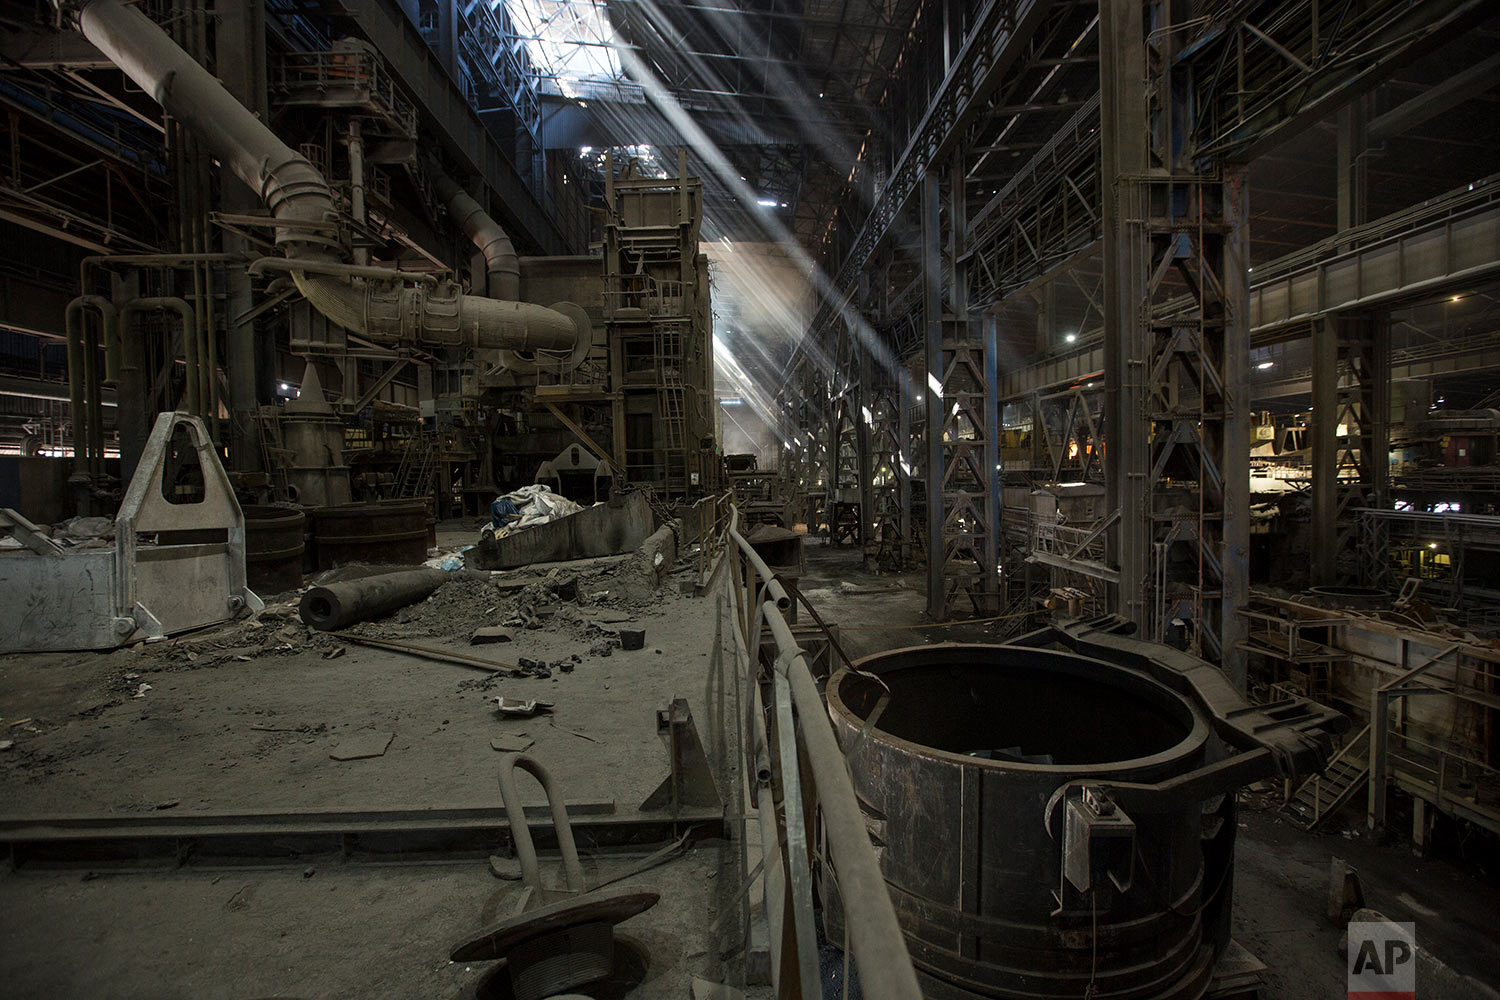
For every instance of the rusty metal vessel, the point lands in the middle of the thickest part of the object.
(1055, 824)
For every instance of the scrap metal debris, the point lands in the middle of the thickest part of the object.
(362, 746)
(522, 708)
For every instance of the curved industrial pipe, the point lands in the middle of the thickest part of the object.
(302, 204)
(501, 266)
(83, 382)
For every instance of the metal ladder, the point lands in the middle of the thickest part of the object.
(1324, 794)
(273, 452)
(673, 406)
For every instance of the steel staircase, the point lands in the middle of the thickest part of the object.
(1324, 794)
(414, 475)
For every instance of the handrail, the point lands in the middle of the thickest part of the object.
(874, 936)
(1317, 779)
(1462, 758)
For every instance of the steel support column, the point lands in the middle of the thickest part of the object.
(994, 499)
(864, 419)
(1350, 445)
(240, 54)
(1124, 148)
(1323, 430)
(890, 470)
(961, 431)
(1177, 385)
(932, 323)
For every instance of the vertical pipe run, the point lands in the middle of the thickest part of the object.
(83, 376)
(200, 346)
(91, 404)
(212, 342)
(76, 408)
(357, 185)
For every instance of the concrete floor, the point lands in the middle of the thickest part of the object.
(200, 739)
(243, 718)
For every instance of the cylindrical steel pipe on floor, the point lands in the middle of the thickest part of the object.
(339, 605)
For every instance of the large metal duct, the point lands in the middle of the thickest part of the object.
(302, 205)
(502, 268)
(503, 275)
(1052, 824)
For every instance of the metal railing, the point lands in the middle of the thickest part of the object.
(341, 76)
(1416, 759)
(1358, 742)
(713, 516)
(787, 729)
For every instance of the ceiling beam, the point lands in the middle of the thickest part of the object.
(1450, 93)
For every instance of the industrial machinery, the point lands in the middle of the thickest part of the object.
(1060, 821)
(453, 366)
(175, 559)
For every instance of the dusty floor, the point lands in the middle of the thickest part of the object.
(216, 732)
(1281, 890)
(245, 716)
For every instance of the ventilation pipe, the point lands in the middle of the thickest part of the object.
(503, 274)
(302, 204)
(502, 269)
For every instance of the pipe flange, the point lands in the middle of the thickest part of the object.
(526, 363)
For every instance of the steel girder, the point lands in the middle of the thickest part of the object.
(1067, 434)
(890, 470)
(1177, 391)
(1442, 244)
(1271, 67)
(1309, 58)
(1254, 77)
(1045, 214)
(997, 39)
(455, 122)
(963, 456)
(1057, 205)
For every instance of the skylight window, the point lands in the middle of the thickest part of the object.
(570, 42)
